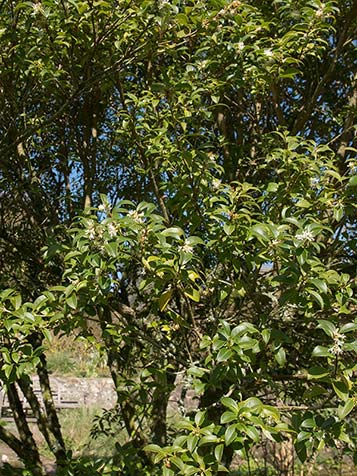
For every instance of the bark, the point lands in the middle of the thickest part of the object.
(348, 133)
(52, 417)
(327, 74)
(42, 422)
(160, 401)
(225, 126)
(29, 453)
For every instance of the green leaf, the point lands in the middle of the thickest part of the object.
(252, 433)
(252, 403)
(303, 436)
(112, 248)
(228, 417)
(318, 372)
(260, 231)
(194, 240)
(303, 203)
(328, 327)
(353, 181)
(346, 409)
(47, 334)
(338, 213)
(271, 412)
(208, 439)
(224, 354)
(177, 462)
(230, 434)
(185, 425)
(320, 285)
(280, 357)
(153, 448)
(167, 471)
(173, 232)
(266, 335)
(272, 187)
(72, 301)
(192, 441)
(308, 423)
(231, 404)
(228, 228)
(321, 351)
(199, 418)
(341, 390)
(17, 300)
(182, 19)
(317, 297)
(315, 391)
(349, 327)
(244, 327)
(301, 451)
(222, 469)
(8, 370)
(218, 452)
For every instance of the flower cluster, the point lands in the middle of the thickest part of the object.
(216, 183)
(94, 232)
(306, 235)
(186, 248)
(90, 231)
(268, 52)
(338, 341)
(112, 230)
(240, 46)
(320, 11)
(163, 3)
(103, 207)
(136, 216)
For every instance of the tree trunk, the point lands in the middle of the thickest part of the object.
(28, 453)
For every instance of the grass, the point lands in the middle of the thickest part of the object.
(76, 427)
(75, 357)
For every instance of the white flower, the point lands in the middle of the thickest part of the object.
(306, 235)
(90, 234)
(136, 216)
(90, 231)
(240, 46)
(339, 338)
(4, 459)
(216, 183)
(335, 350)
(186, 248)
(353, 167)
(100, 232)
(102, 207)
(268, 52)
(338, 341)
(163, 3)
(112, 230)
(37, 8)
(320, 11)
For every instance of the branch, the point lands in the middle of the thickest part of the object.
(129, 57)
(309, 105)
(11, 440)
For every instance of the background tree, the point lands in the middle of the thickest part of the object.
(236, 120)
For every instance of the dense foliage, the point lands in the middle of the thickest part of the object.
(178, 186)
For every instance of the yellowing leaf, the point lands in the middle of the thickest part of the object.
(164, 299)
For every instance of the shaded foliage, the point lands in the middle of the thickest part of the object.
(178, 186)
